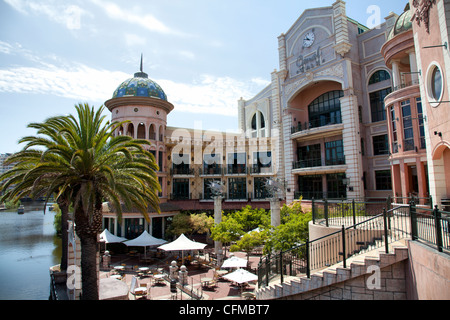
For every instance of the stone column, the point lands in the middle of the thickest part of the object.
(173, 270)
(352, 146)
(395, 74)
(275, 217)
(217, 220)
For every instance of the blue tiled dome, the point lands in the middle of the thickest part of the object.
(140, 86)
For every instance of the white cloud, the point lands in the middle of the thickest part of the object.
(134, 40)
(68, 15)
(146, 21)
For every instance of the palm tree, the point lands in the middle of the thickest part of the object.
(88, 164)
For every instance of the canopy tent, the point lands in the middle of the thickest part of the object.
(182, 243)
(234, 262)
(108, 237)
(241, 276)
(144, 240)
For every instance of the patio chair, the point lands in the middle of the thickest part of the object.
(138, 290)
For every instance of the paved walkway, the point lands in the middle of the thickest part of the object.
(224, 290)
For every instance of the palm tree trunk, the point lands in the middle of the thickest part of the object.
(87, 230)
(89, 275)
(63, 205)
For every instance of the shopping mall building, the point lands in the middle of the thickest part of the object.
(351, 112)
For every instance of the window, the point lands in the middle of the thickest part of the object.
(380, 145)
(408, 133)
(257, 125)
(383, 180)
(335, 186)
(237, 188)
(379, 76)
(436, 83)
(211, 164)
(180, 189)
(160, 161)
(236, 163)
(334, 153)
(326, 109)
(180, 163)
(310, 187)
(262, 162)
(259, 188)
(420, 121)
(308, 156)
(394, 131)
(377, 104)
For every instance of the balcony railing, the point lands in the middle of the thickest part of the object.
(185, 170)
(317, 162)
(315, 123)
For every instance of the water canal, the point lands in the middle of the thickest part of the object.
(28, 247)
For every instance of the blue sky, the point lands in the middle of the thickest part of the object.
(205, 54)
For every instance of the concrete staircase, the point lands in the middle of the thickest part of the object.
(356, 266)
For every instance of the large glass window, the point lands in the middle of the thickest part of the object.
(211, 164)
(408, 133)
(377, 104)
(262, 162)
(133, 227)
(237, 188)
(379, 76)
(259, 188)
(236, 163)
(180, 163)
(420, 121)
(383, 180)
(380, 144)
(326, 109)
(180, 189)
(308, 156)
(394, 130)
(310, 187)
(334, 153)
(335, 186)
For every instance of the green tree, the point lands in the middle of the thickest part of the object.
(83, 161)
(252, 218)
(249, 241)
(292, 231)
(190, 224)
(227, 231)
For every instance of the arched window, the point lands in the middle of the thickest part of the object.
(130, 130)
(141, 131)
(151, 132)
(325, 109)
(379, 76)
(258, 125)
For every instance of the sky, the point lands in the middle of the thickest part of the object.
(205, 54)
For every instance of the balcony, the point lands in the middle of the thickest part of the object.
(182, 171)
(308, 131)
(316, 166)
(211, 171)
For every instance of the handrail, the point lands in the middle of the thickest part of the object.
(335, 247)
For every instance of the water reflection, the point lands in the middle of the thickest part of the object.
(28, 247)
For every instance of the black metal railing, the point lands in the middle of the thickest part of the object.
(374, 232)
(431, 226)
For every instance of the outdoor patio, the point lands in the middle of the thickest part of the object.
(204, 279)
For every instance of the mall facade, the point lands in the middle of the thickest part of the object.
(351, 112)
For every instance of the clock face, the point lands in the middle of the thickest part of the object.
(308, 40)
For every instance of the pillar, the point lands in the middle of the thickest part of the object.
(217, 220)
(275, 216)
(395, 74)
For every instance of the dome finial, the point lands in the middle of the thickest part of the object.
(141, 74)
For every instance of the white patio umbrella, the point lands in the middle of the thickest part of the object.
(182, 243)
(234, 262)
(241, 276)
(144, 240)
(108, 237)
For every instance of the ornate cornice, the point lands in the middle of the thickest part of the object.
(422, 12)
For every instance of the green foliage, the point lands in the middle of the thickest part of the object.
(57, 221)
(292, 231)
(189, 224)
